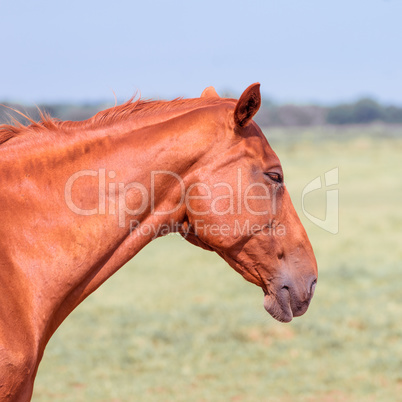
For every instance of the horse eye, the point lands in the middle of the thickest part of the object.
(276, 177)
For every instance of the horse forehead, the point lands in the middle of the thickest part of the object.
(258, 146)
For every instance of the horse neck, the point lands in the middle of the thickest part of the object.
(73, 253)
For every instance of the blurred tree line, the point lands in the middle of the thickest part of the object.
(363, 111)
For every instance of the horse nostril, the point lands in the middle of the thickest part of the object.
(312, 287)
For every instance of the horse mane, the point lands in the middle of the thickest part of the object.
(138, 108)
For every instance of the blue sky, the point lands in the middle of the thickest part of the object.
(300, 50)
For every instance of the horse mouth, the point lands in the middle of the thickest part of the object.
(281, 309)
(283, 306)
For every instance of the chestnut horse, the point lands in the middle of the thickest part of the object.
(80, 199)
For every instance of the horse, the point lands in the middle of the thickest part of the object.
(80, 199)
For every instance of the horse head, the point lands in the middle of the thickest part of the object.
(239, 207)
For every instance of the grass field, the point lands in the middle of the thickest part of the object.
(177, 324)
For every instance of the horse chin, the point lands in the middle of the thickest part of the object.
(279, 311)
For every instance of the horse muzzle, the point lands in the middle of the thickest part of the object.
(288, 299)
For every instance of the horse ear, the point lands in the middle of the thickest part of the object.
(209, 93)
(247, 106)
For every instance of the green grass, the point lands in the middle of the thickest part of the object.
(177, 324)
